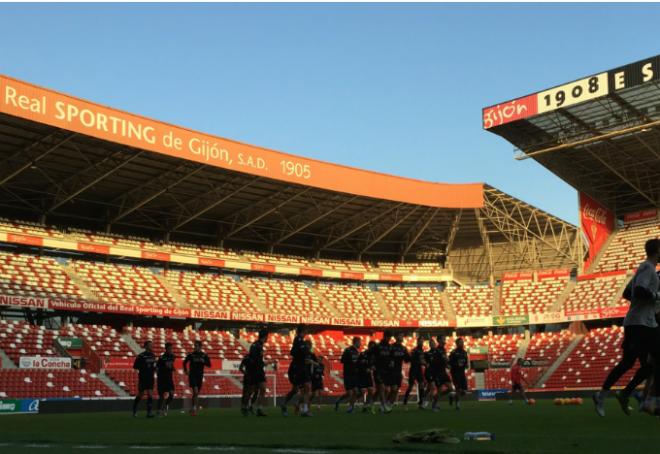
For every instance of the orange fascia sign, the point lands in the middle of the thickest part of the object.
(41, 105)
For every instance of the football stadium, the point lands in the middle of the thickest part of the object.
(118, 230)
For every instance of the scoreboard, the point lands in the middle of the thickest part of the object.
(594, 86)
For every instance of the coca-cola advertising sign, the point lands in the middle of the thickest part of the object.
(597, 224)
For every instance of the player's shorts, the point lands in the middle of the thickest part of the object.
(380, 377)
(301, 375)
(254, 377)
(351, 382)
(441, 379)
(291, 373)
(145, 383)
(317, 385)
(639, 341)
(195, 381)
(516, 387)
(428, 375)
(165, 386)
(365, 381)
(415, 376)
(460, 380)
(393, 378)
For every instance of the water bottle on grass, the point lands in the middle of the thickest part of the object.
(478, 436)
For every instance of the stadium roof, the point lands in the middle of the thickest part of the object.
(73, 163)
(600, 134)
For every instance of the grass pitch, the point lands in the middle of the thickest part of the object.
(543, 428)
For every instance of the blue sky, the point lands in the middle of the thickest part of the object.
(396, 88)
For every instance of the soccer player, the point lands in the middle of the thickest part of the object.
(517, 378)
(365, 368)
(398, 354)
(318, 372)
(416, 372)
(197, 360)
(300, 373)
(458, 363)
(145, 364)
(249, 392)
(255, 375)
(640, 338)
(349, 360)
(438, 378)
(382, 358)
(165, 382)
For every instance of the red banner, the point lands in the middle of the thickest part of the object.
(390, 277)
(206, 261)
(25, 239)
(352, 275)
(640, 215)
(155, 255)
(95, 248)
(266, 268)
(549, 274)
(597, 224)
(311, 272)
(517, 276)
(604, 274)
(614, 312)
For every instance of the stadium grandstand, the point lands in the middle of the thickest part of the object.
(117, 229)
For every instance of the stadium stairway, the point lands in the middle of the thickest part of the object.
(522, 346)
(88, 293)
(383, 305)
(560, 359)
(178, 298)
(325, 301)
(253, 296)
(5, 361)
(132, 344)
(449, 309)
(497, 298)
(563, 296)
(593, 266)
(110, 383)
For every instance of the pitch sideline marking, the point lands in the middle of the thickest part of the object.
(300, 451)
(215, 448)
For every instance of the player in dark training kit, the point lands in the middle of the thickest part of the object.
(318, 373)
(249, 393)
(300, 373)
(349, 360)
(365, 368)
(165, 384)
(255, 375)
(438, 379)
(197, 360)
(458, 362)
(145, 364)
(416, 372)
(382, 358)
(398, 355)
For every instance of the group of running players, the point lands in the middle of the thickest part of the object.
(372, 376)
(146, 363)
(375, 375)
